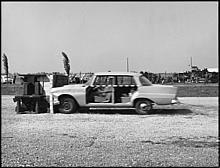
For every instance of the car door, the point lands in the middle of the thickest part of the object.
(101, 92)
(125, 87)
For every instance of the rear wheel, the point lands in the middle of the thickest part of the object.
(143, 106)
(67, 105)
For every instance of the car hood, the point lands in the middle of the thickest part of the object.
(72, 87)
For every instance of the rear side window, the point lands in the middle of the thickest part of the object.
(125, 80)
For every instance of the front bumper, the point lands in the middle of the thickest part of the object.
(55, 100)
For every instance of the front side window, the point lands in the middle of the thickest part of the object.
(144, 81)
(104, 80)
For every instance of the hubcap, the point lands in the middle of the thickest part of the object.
(66, 106)
(144, 106)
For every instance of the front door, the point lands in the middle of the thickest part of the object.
(102, 91)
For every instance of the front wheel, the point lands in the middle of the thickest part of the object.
(67, 105)
(143, 106)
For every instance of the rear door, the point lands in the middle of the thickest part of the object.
(124, 89)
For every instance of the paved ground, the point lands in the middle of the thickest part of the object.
(180, 135)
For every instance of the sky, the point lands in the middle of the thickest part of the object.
(99, 36)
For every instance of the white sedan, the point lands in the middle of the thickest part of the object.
(114, 90)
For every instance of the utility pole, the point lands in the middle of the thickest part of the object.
(127, 65)
(191, 62)
(191, 69)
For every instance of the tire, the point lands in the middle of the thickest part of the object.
(67, 105)
(143, 107)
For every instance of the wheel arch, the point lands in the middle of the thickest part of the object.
(141, 98)
(69, 96)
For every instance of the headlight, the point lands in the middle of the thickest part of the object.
(55, 100)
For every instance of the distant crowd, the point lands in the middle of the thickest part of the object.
(186, 77)
(200, 76)
(163, 78)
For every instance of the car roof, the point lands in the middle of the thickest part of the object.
(117, 73)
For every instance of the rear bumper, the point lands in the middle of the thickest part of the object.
(175, 101)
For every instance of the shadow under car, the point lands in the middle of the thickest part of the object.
(160, 111)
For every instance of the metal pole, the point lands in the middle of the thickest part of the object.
(191, 62)
(51, 95)
(191, 69)
(127, 65)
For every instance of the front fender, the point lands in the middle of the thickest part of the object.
(79, 97)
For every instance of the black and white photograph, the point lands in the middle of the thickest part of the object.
(109, 84)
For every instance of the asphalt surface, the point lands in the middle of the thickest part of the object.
(177, 136)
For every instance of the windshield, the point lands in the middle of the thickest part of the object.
(89, 81)
(144, 81)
